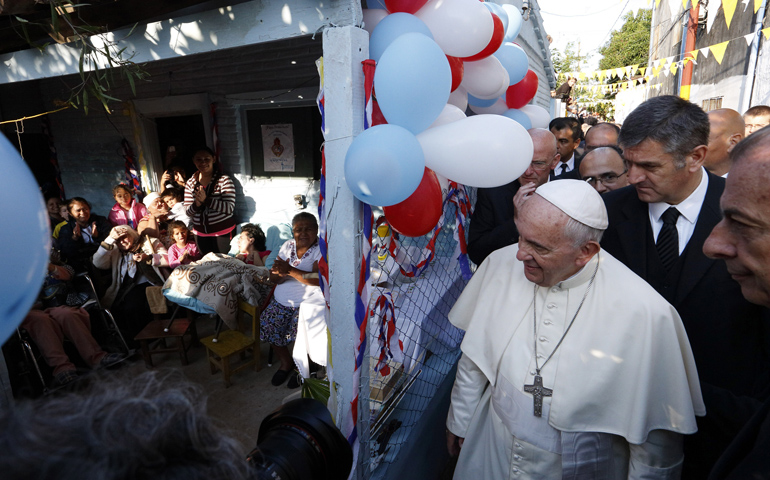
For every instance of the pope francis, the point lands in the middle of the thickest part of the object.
(572, 366)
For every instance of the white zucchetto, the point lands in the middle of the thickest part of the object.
(578, 200)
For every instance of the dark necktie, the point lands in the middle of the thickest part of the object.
(563, 168)
(668, 239)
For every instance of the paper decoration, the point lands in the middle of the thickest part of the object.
(711, 13)
(749, 38)
(705, 51)
(684, 4)
(757, 4)
(766, 33)
(729, 9)
(673, 8)
(674, 67)
(719, 51)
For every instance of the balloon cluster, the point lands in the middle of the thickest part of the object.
(436, 58)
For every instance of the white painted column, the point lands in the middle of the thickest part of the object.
(344, 49)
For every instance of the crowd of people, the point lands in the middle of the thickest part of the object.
(139, 243)
(631, 329)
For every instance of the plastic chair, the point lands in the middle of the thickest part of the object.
(223, 346)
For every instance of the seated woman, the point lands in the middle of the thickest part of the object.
(49, 324)
(126, 211)
(53, 206)
(134, 266)
(154, 224)
(79, 239)
(252, 248)
(293, 271)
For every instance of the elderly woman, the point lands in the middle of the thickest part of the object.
(294, 270)
(209, 197)
(134, 262)
(79, 239)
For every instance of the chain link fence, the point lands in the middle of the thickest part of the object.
(401, 386)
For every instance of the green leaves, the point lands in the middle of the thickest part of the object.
(316, 389)
(96, 64)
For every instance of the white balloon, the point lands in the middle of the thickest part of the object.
(515, 22)
(479, 151)
(461, 28)
(449, 114)
(497, 108)
(459, 98)
(538, 115)
(373, 16)
(486, 78)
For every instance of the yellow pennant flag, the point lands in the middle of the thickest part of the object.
(657, 3)
(673, 68)
(634, 68)
(757, 4)
(582, 76)
(766, 33)
(729, 8)
(684, 4)
(694, 54)
(719, 50)
(644, 71)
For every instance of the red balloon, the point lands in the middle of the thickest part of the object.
(457, 68)
(519, 94)
(494, 44)
(406, 6)
(418, 214)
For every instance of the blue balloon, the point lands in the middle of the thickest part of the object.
(384, 165)
(392, 27)
(412, 81)
(500, 12)
(376, 4)
(514, 60)
(519, 116)
(515, 21)
(24, 248)
(480, 102)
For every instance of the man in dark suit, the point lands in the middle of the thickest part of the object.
(567, 132)
(742, 241)
(492, 224)
(658, 226)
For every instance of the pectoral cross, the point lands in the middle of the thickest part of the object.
(538, 391)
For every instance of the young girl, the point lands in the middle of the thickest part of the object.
(251, 245)
(181, 253)
(126, 211)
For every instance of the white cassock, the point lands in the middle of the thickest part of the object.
(623, 377)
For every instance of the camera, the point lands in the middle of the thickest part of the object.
(299, 441)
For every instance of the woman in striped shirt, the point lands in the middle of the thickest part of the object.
(209, 197)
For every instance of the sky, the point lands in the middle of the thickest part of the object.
(588, 22)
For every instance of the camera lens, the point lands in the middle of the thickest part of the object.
(299, 441)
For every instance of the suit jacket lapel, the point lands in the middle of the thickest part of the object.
(696, 262)
(632, 233)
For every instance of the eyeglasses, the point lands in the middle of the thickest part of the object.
(539, 166)
(605, 178)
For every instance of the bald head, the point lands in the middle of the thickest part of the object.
(602, 135)
(604, 169)
(726, 129)
(544, 157)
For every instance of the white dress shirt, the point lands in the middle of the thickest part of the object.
(569, 165)
(689, 210)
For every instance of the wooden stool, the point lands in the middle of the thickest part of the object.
(232, 342)
(153, 338)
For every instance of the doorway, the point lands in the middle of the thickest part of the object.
(178, 138)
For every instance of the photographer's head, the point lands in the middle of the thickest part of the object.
(152, 426)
